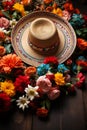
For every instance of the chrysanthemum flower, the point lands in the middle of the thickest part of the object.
(23, 102)
(31, 92)
(9, 62)
(8, 88)
(59, 79)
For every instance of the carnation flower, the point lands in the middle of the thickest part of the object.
(80, 78)
(42, 69)
(62, 68)
(5, 102)
(51, 60)
(9, 62)
(8, 88)
(21, 83)
(59, 79)
(23, 102)
(42, 112)
(4, 22)
(44, 84)
(31, 92)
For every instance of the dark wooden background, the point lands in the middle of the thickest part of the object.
(68, 113)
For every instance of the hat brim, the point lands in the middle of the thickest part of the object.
(20, 41)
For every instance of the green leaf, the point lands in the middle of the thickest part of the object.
(6, 14)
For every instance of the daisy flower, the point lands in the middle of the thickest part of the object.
(23, 102)
(31, 92)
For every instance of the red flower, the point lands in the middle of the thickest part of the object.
(82, 64)
(80, 80)
(5, 102)
(69, 62)
(50, 76)
(82, 44)
(8, 4)
(71, 88)
(42, 112)
(21, 83)
(51, 60)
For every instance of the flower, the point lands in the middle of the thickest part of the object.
(82, 44)
(31, 92)
(62, 68)
(44, 84)
(8, 88)
(23, 102)
(4, 22)
(26, 2)
(66, 15)
(9, 62)
(53, 93)
(47, 1)
(59, 79)
(42, 69)
(5, 102)
(21, 83)
(57, 11)
(68, 6)
(2, 36)
(51, 60)
(80, 78)
(42, 112)
(2, 50)
(20, 8)
(31, 70)
(8, 4)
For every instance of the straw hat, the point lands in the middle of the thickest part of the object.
(41, 31)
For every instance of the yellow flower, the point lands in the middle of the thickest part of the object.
(20, 8)
(57, 11)
(59, 79)
(8, 87)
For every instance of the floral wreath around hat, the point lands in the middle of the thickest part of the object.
(35, 88)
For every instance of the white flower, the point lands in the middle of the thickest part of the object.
(22, 102)
(31, 92)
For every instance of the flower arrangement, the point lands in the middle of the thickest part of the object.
(34, 88)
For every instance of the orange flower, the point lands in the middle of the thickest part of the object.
(30, 71)
(82, 44)
(2, 36)
(82, 63)
(2, 50)
(57, 11)
(47, 1)
(26, 2)
(9, 62)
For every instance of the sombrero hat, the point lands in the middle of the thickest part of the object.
(20, 38)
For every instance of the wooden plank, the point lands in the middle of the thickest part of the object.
(53, 122)
(73, 117)
(16, 121)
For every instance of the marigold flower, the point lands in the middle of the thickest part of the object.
(59, 79)
(5, 102)
(2, 50)
(20, 8)
(31, 70)
(82, 44)
(57, 11)
(9, 62)
(8, 88)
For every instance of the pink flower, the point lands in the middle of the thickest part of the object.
(66, 15)
(53, 93)
(80, 80)
(44, 83)
(4, 23)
